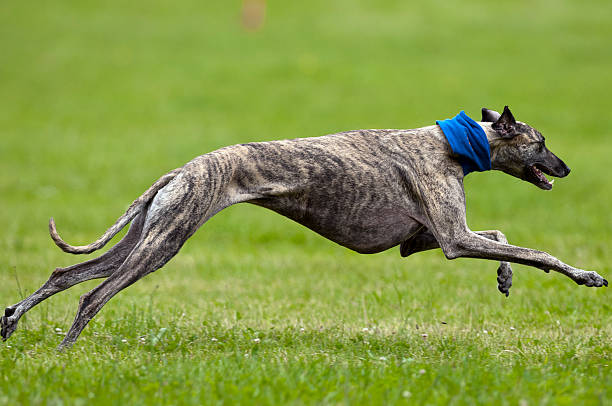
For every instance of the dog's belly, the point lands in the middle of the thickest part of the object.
(367, 229)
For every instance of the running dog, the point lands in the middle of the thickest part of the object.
(367, 190)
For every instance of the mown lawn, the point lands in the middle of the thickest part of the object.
(98, 100)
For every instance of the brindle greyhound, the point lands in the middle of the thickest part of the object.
(367, 190)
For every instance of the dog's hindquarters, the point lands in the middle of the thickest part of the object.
(112, 260)
(101, 267)
(198, 192)
(163, 218)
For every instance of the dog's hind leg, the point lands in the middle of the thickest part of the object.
(146, 258)
(174, 215)
(63, 278)
(425, 240)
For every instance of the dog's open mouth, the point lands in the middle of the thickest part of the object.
(538, 177)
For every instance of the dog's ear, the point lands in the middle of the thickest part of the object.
(505, 124)
(490, 116)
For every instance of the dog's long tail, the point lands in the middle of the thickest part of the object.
(135, 208)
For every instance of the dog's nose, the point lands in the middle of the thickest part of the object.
(566, 169)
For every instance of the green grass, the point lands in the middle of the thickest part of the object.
(98, 100)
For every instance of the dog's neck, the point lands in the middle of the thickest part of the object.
(492, 135)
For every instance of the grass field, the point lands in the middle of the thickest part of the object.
(98, 100)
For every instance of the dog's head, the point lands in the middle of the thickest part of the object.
(519, 150)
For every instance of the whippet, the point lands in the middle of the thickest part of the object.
(367, 190)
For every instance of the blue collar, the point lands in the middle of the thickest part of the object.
(468, 140)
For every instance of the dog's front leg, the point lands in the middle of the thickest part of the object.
(504, 272)
(444, 208)
(424, 240)
(470, 245)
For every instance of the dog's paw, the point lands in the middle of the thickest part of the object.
(8, 323)
(590, 279)
(504, 278)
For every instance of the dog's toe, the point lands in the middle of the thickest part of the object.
(504, 278)
(7, 328)
(503, 290)
(8, 323)
(591, 279)
(3, 329)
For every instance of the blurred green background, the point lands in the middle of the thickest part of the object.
(98, 99)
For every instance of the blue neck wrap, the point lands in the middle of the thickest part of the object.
(469, 141)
